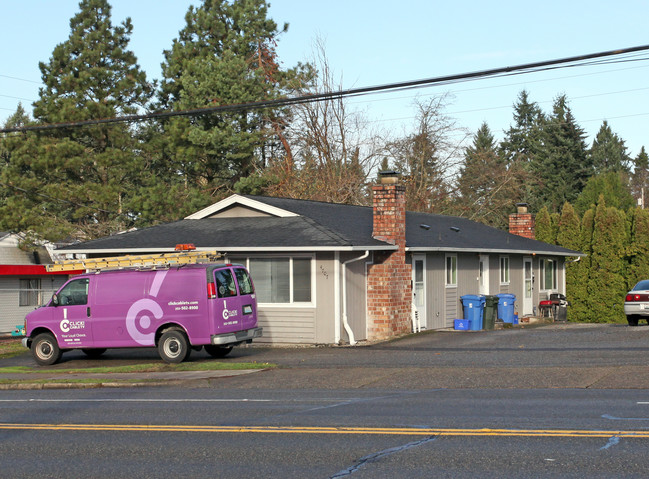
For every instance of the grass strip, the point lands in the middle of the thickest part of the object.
(140, 368)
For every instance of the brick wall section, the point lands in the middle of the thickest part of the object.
(389, 294)
(522, 224)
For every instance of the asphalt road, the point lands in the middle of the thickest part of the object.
(552, 401)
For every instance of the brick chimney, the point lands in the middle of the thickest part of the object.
(521, 223)
(389, 289)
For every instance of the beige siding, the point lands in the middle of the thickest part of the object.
(287, 325)
(11, 313)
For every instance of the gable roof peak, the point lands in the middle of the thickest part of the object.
(245, 201)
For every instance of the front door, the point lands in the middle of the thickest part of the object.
(483, 276)
(528, 286)
(419, 286)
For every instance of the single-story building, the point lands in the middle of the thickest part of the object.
(24, 282)
(330, 273)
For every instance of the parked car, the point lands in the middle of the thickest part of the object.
(636, 303)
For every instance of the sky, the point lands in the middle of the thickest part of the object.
(377, 42)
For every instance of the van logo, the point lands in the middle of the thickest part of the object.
(227, 313)
(66, 325)
(138, 322)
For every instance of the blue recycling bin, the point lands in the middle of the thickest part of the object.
(473, 306)
(506, 307)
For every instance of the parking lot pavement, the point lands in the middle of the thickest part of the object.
(551, 356)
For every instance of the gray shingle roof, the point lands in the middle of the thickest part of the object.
(318, 226)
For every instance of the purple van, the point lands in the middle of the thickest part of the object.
(176, 309)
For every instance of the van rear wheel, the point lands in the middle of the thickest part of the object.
(174, 347)
(218, 351)
(45, 349)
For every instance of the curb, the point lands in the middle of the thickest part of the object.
(154, 380)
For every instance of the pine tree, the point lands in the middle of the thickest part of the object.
(487, 189)
(522, 143)
(225, 55)
(561, 164)
(608, 152)
(79, 181)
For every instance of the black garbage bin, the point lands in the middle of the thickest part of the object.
(490, 312)
(559, 307)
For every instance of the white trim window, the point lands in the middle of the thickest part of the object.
(281, 279)
(504, 270)
(549, 280)
(451, 270)
(30, 292)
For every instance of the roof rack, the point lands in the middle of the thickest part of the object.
(136, 261)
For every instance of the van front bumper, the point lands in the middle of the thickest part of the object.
(236, 337)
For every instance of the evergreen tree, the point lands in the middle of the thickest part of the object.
(577, 290)
(79, 181)
(640, 178)
(569, 228)
(522, 139)
(522, 143)
(569, 236)
(607, 282)
(611, 185)
(638, 251)
(561, 164)
(225, 55)
(543, 230)
(487, 189)
(608, 152)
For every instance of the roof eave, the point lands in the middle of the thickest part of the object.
(423, 249)
(228, 249)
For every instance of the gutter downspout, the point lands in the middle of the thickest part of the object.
(350, 333)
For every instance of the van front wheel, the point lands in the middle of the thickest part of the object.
(174, 347)
(45, 349)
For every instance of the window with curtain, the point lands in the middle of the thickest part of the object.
(451, 270)
(281, 280)
(504, 270)
(549, 274)
(30, 292)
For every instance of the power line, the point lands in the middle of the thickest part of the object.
(581, 60)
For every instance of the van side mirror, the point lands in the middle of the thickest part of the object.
(55, 300)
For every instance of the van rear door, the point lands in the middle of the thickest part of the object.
(247, 297)
(228, 317)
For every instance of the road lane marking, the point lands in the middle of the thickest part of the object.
(329, 430)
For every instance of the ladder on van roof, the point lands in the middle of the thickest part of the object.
(136, 261)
